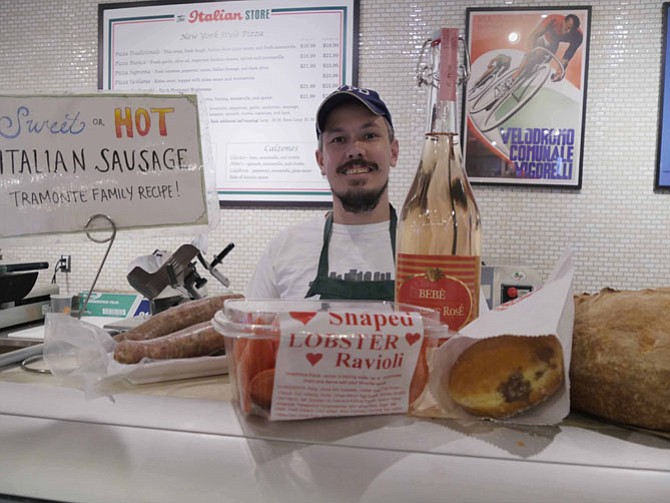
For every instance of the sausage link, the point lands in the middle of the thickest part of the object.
(197, 340)
(176, 318)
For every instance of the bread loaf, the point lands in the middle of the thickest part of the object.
(500, 377)
(620, 367)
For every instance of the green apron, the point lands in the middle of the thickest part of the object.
(334, 289)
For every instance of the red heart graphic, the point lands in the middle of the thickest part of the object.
(412, 338)
(304, 317)
(313, 358)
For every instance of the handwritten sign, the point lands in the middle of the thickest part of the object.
(134, 158)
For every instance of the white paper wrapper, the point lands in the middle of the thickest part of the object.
(549, 310)
(81, 355)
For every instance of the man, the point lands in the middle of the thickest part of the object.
(554, 30)
(549, 34)
(348, 253)
(498, 65)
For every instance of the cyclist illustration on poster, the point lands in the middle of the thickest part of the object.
(525, 100)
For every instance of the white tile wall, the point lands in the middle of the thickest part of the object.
(616, 224)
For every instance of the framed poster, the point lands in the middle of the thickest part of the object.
(662, 178)
(524, 107)
(262, 68)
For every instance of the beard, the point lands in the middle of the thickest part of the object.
(355, 200)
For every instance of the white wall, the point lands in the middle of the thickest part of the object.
(616, 223)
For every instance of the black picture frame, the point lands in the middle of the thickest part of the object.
(662, 173)
(523, 121)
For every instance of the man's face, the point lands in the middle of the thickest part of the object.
(356, 156)
(568, 24)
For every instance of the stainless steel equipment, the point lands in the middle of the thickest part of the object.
(503, 283)
(22, 305)
(176, 274)
(20, 301)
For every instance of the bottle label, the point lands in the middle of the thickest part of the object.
(447, 283)
(448, 64)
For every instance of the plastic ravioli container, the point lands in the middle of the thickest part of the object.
(293, 360)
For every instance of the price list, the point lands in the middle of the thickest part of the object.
(320, 68)
(262, 75)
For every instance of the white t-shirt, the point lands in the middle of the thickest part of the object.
(289, 263)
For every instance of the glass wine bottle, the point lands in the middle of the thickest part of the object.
(439, 228)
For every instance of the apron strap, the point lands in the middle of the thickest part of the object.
(322, 270)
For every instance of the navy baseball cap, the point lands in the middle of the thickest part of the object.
(367, 97)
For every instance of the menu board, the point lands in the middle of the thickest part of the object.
(262, 69)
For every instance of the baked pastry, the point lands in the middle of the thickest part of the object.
(620, 367)
(500, 377)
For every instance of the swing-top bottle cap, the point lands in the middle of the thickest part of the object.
(367, 97)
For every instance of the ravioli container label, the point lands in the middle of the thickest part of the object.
(345, 363)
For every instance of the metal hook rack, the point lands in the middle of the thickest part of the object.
(425, 74)
(25, 364)
(109, 239)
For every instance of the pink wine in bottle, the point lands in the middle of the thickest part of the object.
(439, 228)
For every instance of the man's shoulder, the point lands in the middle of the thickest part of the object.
(549, 22)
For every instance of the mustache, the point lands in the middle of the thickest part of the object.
(357, 162)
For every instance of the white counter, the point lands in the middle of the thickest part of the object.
(185, 442)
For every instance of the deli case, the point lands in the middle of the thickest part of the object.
(185, 440)
(178, 430)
